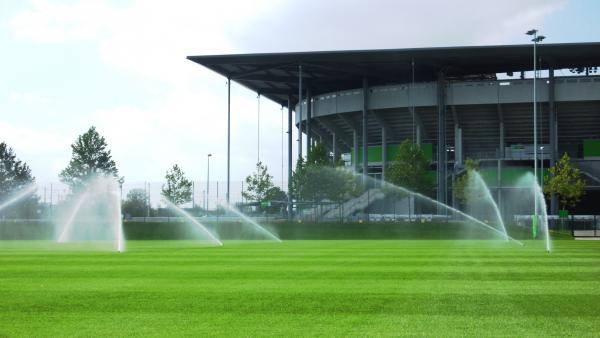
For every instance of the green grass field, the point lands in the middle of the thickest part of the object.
(301, 288)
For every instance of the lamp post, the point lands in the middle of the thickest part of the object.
(207, 180)
(121, 180)
(536, 39)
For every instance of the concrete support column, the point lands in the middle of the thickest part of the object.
(441, 138)
(458, 153)
(289, 132)
(383, 153)
(334, 151)
(553, 134)
(309, 138)
(365, 141)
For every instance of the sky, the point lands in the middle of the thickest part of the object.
(121, 66)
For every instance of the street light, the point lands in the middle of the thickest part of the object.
(207, 180)
(121, 180)
(536, 39)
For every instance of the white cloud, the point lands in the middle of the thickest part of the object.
(354, 24)
(43, 150)
(32, 140)
(51, 22)
(28, 98)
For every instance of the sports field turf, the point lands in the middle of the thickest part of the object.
(301, 288)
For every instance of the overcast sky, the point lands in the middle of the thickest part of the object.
(121, 66)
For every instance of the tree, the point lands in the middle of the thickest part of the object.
(566, 182)
(278, 199)
(136, 203)
(410, 169)
(276, 194)
(90, 158)
(316, 179)
(178, 189)
(461, 183)
(258, 184)
(318, 156)
(15, 175)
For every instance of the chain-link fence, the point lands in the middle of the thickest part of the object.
(204, 196)
(375, 203)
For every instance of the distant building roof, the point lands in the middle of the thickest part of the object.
(275, 75)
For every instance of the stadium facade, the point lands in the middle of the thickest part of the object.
(456, 102)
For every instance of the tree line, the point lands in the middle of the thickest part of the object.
(317, 178)
(90, 158)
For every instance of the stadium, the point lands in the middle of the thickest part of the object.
(458, 103)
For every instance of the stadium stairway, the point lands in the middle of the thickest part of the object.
(354, 205)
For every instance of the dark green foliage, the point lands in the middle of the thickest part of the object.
(136, 203)
(278, 199)
(318, 156)
(15, 175)
(177, 189)
(565, 181)
(461, 183)
(410, 169)
(90, 157)
(276, 194)
(259, 185)
(316, 179)
(26, 230)
(260, 188)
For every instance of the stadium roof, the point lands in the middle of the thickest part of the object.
(275, 75)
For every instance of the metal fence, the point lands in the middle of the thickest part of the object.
(203, 195)
(371, 205)
(575, 225)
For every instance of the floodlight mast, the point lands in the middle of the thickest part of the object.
(536, 39)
